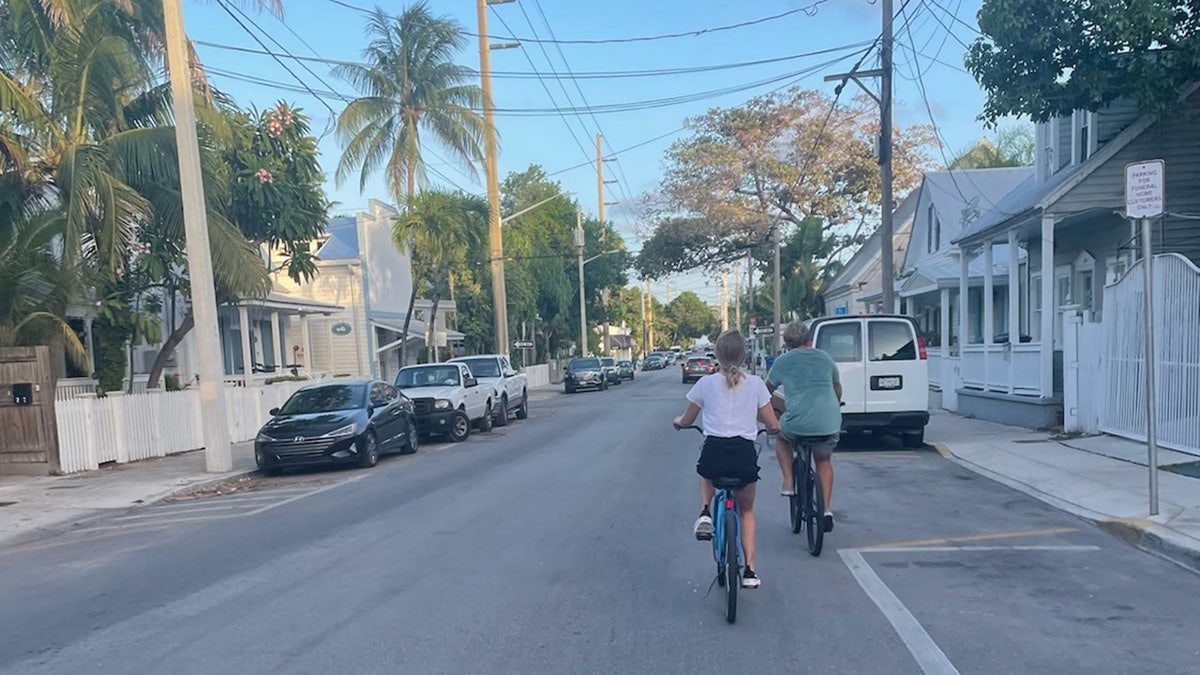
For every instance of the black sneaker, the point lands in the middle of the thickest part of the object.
(827, 521)
(750, 579)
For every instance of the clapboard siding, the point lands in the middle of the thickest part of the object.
(1114, 119)
(1064, 141)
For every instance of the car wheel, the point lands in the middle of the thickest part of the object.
(913, 439)
(501, 414)
(485, 422)
(414, 438)
(368, 450)
(523, 411)
(568, 389)
(461, 429)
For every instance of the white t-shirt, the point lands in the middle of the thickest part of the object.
(729, 412)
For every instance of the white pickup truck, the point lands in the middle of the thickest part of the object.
(447, 399)
(511, 386)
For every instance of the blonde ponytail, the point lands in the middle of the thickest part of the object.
(731, 354)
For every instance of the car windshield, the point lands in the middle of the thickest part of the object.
(428, 376)
(329, 398)
(482, 367)
(698, 362)
(607, 362)
(584, 364)
(625, 364)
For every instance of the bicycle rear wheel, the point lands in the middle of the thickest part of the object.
(733, 573)
(814, 507)
(795, 502)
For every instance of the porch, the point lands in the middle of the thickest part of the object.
(254, 344)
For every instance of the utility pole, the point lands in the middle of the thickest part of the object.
(737, 296)
(778, 334)
(495, 241)
(579, 241)
(217, 453)
(649, 317)
(750, 315)
(645, 341)
(887, 267)
(724, 301)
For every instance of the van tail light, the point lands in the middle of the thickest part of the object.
(921, 351)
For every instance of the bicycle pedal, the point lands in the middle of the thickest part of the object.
(704, 536)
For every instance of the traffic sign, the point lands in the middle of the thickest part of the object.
(765, 330)
(1145, 188)
(523, 344)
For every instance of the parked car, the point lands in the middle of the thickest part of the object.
(447, 399)
(611, 371)
(672, 357)
(343, 422)
(511, 388)
(584, 373)
(654, 362)
(626, 369)
(884, 371)
(697, 367)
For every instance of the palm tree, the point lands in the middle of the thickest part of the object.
(439, 228)
(410, 85)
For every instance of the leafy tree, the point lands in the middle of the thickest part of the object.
(1045, 58)
(411, 85)
(439, 229)
(32, 294)
(692, 317)
(769, 163)
(1014, 146)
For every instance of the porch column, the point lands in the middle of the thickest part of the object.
(306, 343)
(989, 314)
(1014, 308)
(1047, 366)
(91, 346)
(277, 342)
(244, 331)
(944, 320)
(964, 300)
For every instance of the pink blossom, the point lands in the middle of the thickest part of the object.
(274, 127)
(264, 176)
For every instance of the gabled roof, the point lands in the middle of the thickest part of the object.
(343, 239)
(867, 259)
(962, 196)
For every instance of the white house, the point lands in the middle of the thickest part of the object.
(856, 289)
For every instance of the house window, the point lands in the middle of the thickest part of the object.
(1023, 312)
(1116, 269)
(934, 238)
(1084, 148)
(1035, 304)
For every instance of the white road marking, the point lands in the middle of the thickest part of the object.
(924, 650)
(319, 490)
(968, 549)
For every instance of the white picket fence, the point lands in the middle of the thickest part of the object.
(127, 428)
(1176, 345)
(537, 376)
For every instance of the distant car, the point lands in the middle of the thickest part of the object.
(697, 367)
(611, 371)
(654, 362)
(347, 422)
(626, 369)
(584, 373)
(671, 358)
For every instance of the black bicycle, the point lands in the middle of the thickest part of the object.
(807, 503)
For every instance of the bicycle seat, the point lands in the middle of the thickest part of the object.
(728, 483)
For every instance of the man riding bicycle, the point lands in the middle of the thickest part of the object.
(812, 391)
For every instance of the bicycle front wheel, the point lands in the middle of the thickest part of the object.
(733, 573)
(814, 511)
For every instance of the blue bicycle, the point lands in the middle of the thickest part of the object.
(727, 536)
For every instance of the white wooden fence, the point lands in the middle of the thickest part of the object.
(537, 376)
(1176, 344)
(126, 428)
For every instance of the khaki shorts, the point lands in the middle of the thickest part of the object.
(822, 446)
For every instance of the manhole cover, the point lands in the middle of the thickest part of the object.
(1189, 469)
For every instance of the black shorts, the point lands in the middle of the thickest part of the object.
(728, 458)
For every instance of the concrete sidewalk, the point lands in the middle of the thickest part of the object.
(1101, 478)
(30, 506)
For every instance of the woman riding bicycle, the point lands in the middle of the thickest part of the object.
(730, 403)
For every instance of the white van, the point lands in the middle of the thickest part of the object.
(884, 370)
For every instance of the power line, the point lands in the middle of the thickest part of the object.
(622, 150)
(578, 75)
(948, 30)
(955, 17)
(808, 10)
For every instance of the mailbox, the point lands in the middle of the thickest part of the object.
(22, 393)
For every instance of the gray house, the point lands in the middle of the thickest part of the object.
(857, 288)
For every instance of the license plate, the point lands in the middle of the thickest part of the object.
(888, 382)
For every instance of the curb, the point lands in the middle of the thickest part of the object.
(200, 485)
(1143, 534)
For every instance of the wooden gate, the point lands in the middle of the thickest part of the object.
(28, 435)
(1176, 344)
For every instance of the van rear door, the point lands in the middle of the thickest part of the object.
(897, 377)
(842, 339)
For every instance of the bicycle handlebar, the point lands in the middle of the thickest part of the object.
(693, 426)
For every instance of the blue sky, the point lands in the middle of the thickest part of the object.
(325, 29)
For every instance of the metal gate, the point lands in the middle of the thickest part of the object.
(1176, 343)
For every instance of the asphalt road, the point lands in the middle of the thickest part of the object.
(562, 544)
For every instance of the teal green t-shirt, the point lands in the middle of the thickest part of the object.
(807, 377)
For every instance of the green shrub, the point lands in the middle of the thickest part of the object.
(286, 378)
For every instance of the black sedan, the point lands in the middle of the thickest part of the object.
(585, 373)
(343, 422)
